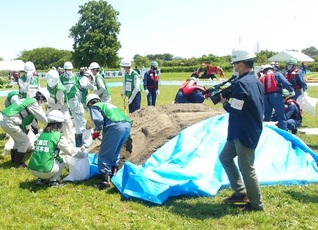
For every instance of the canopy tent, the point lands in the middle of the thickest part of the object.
(12, 65)
(286, 55)
(188, 164)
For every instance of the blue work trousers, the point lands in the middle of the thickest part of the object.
(151, 97)
(114, 138)
(275, 101)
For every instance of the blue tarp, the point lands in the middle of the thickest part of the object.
(188, 164)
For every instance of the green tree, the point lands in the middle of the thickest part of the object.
(45, 58)
(96, 35)
(141, 61)
(310, 51)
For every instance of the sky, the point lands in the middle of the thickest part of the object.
(183, 28)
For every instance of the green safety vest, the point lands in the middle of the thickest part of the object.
(45, 147)
(34, 84)
(72, 83)
(8, 99)
(58, 87)
(112, 112)
(83, 90)
(131, 78)
(100, 76)
(17, 107)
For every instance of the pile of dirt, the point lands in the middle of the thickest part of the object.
(154, 126)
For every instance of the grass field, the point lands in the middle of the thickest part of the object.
(79, 206)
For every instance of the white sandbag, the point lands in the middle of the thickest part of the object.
(8, 146)
(78, 169)
(307, 103)
(87, 137)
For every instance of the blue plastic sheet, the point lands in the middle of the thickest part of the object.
(188, 164)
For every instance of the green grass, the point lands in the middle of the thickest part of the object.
(79, 206)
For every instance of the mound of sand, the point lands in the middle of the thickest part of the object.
(154, 126)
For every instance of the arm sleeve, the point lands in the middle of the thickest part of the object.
(97, 117)
(101, 85)
(38, 113)
(301, 80)
(145, 80)
(23, 86)
(284, 82)
(86, 84)
(66, 147)
(136, 87)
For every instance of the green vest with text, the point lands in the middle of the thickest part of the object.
(34, 84)
(72, 83)
(131, 79)
(42, 159)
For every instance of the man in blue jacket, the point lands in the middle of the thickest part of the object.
(244, 130)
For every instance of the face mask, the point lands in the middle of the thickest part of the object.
(289, 67)
(69, 72)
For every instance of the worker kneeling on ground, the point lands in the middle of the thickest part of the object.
(46, 162)
(190, 92)
(292, 112)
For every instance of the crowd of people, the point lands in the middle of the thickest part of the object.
(270, 97)
(66, 96)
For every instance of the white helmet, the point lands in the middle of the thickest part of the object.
(124, 63)
(242, 54)
(29, 66)
(45, 93)
(55, 116)
(94, 65)
(267, 66)
(52, 78)
(89, 74)
(91, 97)
(68, 65)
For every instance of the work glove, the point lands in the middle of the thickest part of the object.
(130, 100)
(146, 92)
(305, 94)
(81, 154)
(95, 135)
(157, 92)
(292, 93)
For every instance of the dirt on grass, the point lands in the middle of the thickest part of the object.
(154, 126)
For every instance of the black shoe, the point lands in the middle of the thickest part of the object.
(236, 199)
(102, 185)
(55, 183)
(249, 208)
(40, 181)
(22, 165)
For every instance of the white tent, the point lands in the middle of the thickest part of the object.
(286, 55)
(12, 65)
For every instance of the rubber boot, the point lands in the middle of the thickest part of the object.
(79, 140)
(105, 183)
(114, 171)
(13, 153)
(19, 160)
